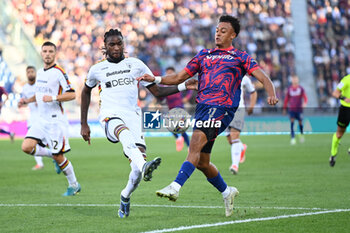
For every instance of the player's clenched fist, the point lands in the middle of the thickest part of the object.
(272, 100)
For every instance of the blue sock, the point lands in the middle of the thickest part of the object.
(292, 129)
(187, 140)
(185, 172)
(218, 182)
(175, 135)
(4, 131)
(301, 127)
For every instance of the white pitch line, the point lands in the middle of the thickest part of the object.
(161, 206)
(245, 221)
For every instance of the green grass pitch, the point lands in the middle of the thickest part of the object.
(283, 188)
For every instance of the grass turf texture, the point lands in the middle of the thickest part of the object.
(274, 174)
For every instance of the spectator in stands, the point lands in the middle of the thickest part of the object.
(154, 30)
(329, 30)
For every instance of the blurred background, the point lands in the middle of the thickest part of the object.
(308, 38)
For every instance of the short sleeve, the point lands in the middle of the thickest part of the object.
(249, 63)
(64, 83)
(91, 81)
(193, 65)
(340, 85)
(143, 69)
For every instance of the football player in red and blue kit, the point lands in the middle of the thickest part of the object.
(295, 101)
(220, 72)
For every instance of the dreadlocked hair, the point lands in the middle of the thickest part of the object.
(111, 32)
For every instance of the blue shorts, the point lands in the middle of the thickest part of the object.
(212, 119)
(295, 115)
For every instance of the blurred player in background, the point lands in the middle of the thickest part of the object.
(52, 87)
(220, 72)
(29, 91)
(177, 101)
(342, 92)
(3, 92)
(295, 101)
(238, 149)
(120, 115)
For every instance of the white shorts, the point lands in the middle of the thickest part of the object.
(131, 119)
(238, 120)
(51, 134)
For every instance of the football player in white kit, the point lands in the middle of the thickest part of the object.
(50, 129)
(234, 130)
(29, 91)
(120, 115)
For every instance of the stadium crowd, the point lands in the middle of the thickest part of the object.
(161, 33)
(329, 22)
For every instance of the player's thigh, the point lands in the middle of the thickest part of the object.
(134, 123)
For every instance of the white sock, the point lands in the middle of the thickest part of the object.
(41, 151)
(236, 149)
(226, 192)
(68, 170)
(133, 182)
(176, 186)
(130, 149)
(39, 160)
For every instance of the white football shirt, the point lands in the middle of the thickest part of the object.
(246, 85)
(117, 83)
(52, 81)
(29, 91)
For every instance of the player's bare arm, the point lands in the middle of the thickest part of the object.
(268, 85)
(67, 96)
(22, 102)
(172, 79)
(85, 102)
(337, 94)
(159, 91)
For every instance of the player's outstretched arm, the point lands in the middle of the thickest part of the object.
(85, 103)
(268, 85)
(171, 79)
(161, 91)
(67, 96)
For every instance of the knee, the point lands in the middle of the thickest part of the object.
(202, 166)
(27, 148)
(339, 134)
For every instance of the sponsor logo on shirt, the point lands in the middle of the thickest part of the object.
(120, 82)
(117, 72)
(41, 81)
(214, 57)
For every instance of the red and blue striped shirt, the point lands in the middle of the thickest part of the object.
(220, 72)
